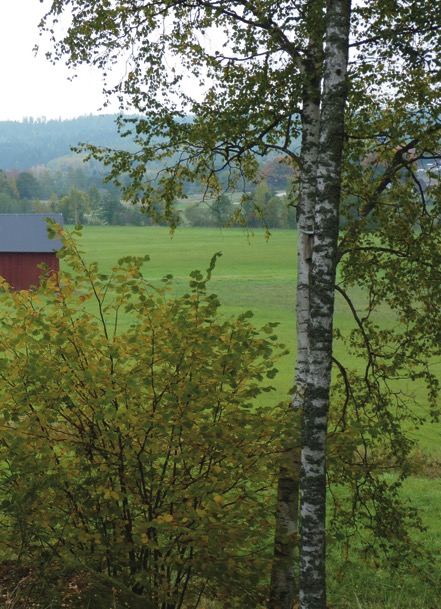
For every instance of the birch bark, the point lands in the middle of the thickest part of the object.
(284, 587)
(308, 187)
(321, 309)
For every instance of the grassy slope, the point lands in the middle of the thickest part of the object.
(253, 273)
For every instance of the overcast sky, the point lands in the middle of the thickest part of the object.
(32, 86)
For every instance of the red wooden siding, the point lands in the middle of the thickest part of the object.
(21, 269)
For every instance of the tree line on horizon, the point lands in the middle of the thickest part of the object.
(37, 141)
(78, 188)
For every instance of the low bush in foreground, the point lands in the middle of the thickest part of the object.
(137, 450)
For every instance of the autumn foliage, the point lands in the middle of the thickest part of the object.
(132, 437)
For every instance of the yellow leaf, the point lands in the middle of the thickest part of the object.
(166, 518)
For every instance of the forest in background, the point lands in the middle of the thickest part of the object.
(39, 172)
(37, 141)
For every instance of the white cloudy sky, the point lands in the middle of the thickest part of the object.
(32, 86)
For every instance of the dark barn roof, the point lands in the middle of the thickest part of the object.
(22, 233)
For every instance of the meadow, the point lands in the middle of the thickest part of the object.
(253, 273)
(259, 274)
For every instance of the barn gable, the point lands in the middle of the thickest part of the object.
(24, 245)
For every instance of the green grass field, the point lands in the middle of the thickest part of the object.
(253, 273)
(260, 275)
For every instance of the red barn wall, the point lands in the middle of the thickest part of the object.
(21, 269)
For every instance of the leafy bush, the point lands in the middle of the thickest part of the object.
(131, 438)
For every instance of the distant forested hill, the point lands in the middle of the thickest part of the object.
(39, 173)
(36, 141)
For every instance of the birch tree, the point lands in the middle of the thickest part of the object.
(219, 85)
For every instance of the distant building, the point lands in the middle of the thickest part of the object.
(24, 244)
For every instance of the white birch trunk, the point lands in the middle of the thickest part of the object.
(321, 309)
(305, 225)
(284, 586)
